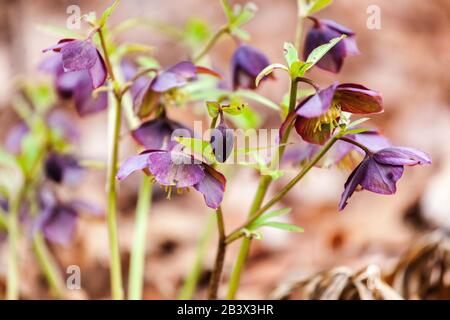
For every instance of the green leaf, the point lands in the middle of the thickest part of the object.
(280, 225)
(244, 15)
(318, 5)
(357, 122)
(213, 108)
(107, 13)
(241, 34)
(268, 70)
(298, 69)
(252, 95)
(235, 108)
(148, 62)
(290, 53)
(274, 214)
(198, 146)
(356, 131)
(227, 9)
(320, 51)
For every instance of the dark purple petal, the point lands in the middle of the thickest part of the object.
(212, 186)
(355, 178)
(247, 62)
(13, 142)
(85, 102)
(78, 55)
(174, 77)
(372, 139)
(321, 33)
(222, 141)
(358, 99)
(154, 134)
(317, 104)
(146, 100)
(58, 224)
(286, 123)
(399, 156)
(129, 71)
(131, 164)
(381, 178)
(306, 128)
(98, 72)
(175, 169)
(63, 169)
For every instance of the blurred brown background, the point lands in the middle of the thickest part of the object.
(407, 60)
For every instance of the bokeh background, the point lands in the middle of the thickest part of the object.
(407, 60)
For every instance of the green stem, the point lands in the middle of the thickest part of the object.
(223, 30)
(291, 183)
(115, 123)
(238, 267)
(48, 266)
(299, 30)
(190, 284)
(264, 184)
(137, 260)
(220, 257)
(245, 246)
(116, 273)
(12, 291)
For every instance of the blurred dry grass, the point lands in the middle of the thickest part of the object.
(407, 60)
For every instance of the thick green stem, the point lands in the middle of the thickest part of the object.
(12, 291)
(137, 260)
(264, 184)
(223, 30)
(190, 284)
(220, 257)
(48, 266)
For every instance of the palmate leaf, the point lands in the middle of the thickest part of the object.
(315, 6)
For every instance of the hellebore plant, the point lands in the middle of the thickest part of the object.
(97, 74)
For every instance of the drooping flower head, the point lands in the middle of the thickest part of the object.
(247, 62)
(222, 140)
(57, 219)
(174, 169)
(321, 33)
(81, 55)
(157, 133)
(147, 99)
(63, 168)
(380, 171)
(76, 85)
(317, 116)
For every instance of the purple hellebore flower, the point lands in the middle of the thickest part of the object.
(62, 168)
(157, 133)
(317, 115)
(174, 169)
(57, 220)
(222, 141)
(177, 76)
(321, 33)
(129, 70)
(380, 171)
(75, 85)
(81, 55)
(246, 64)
